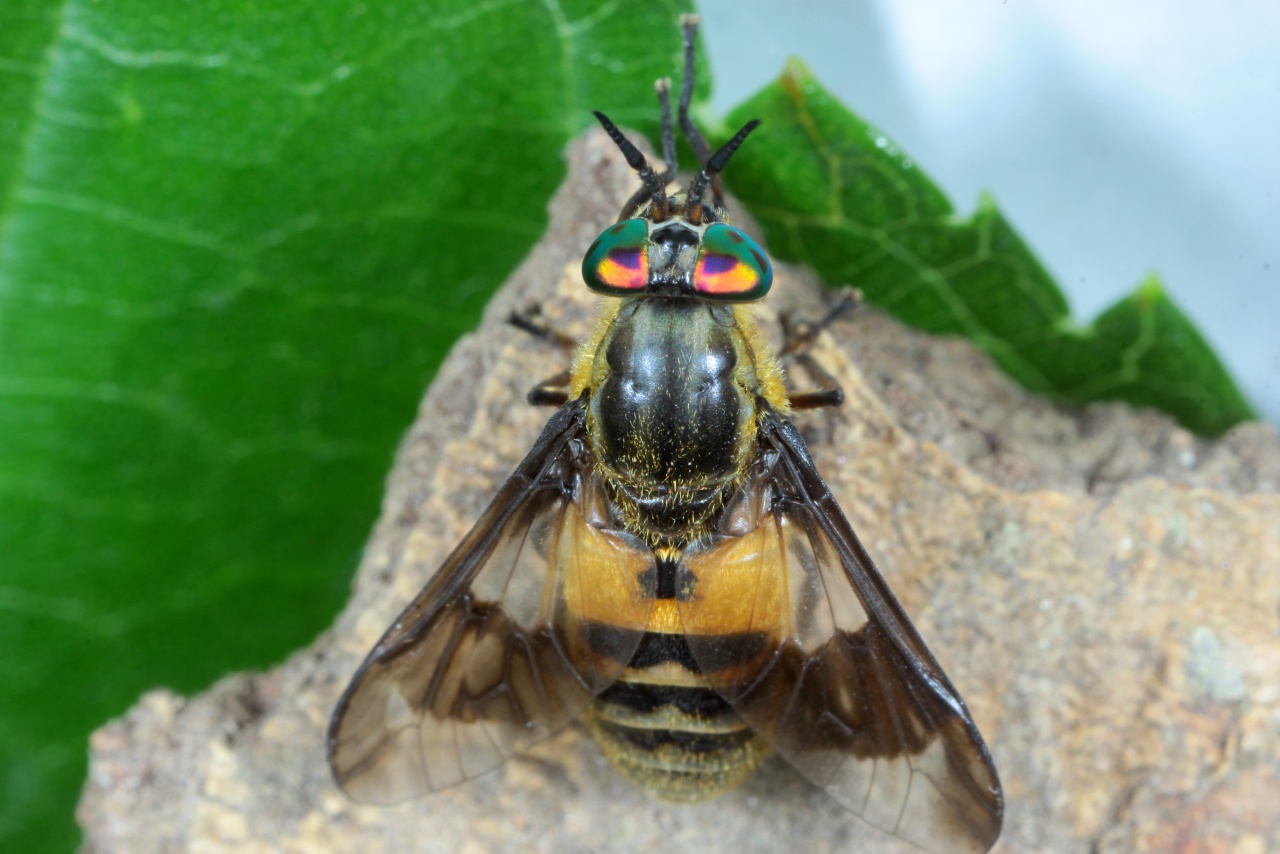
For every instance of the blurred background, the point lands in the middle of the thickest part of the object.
(1118, 139)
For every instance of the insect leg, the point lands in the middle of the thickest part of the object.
(798, 338)
(531, 320)
(662, 86)
(703, 151)
(553, 391)
(689, 25)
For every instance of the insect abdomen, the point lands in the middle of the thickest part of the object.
(671, 421)
(664, 728)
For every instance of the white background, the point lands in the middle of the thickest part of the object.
(1119, 137)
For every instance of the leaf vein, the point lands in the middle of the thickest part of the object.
(113, 394)
(24, 158)
(116, 215)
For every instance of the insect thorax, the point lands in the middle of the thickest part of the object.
(674, 386)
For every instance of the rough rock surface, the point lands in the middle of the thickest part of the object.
(1102, 587)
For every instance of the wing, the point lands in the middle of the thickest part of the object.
(793, 625)
(510, 639)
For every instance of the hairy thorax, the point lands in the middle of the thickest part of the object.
(674, 390)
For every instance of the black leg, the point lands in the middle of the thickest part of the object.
(689, 25)
(663, 87)
(553, 391)
(798, 338)
(531, 320)
(828, 393)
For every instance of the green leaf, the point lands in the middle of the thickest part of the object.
(235, 242)
(832, 192)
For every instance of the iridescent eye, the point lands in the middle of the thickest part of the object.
(731, 266)
(618, 263)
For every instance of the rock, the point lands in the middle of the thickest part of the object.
(1101, 586)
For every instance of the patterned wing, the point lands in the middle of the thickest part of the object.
(790, 621)
(508, 642)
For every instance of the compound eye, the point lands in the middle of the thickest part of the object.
(618, 262)
(731, 266)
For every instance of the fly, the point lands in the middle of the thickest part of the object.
(668, 565)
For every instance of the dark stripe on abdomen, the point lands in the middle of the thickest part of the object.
(643, 698)
(685, 741)
(656, 648)
(682, 741)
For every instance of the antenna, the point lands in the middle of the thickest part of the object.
(717, 162)
(654, 185)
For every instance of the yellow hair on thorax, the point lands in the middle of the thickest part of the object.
(769, 375)
(585, 357)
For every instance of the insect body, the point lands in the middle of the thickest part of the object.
(668, 564)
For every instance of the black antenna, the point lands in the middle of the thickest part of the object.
(653, 185)
(717, 162)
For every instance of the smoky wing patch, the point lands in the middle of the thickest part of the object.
(472, 693)
(848, 693)
(482, 663)
(853, 719)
